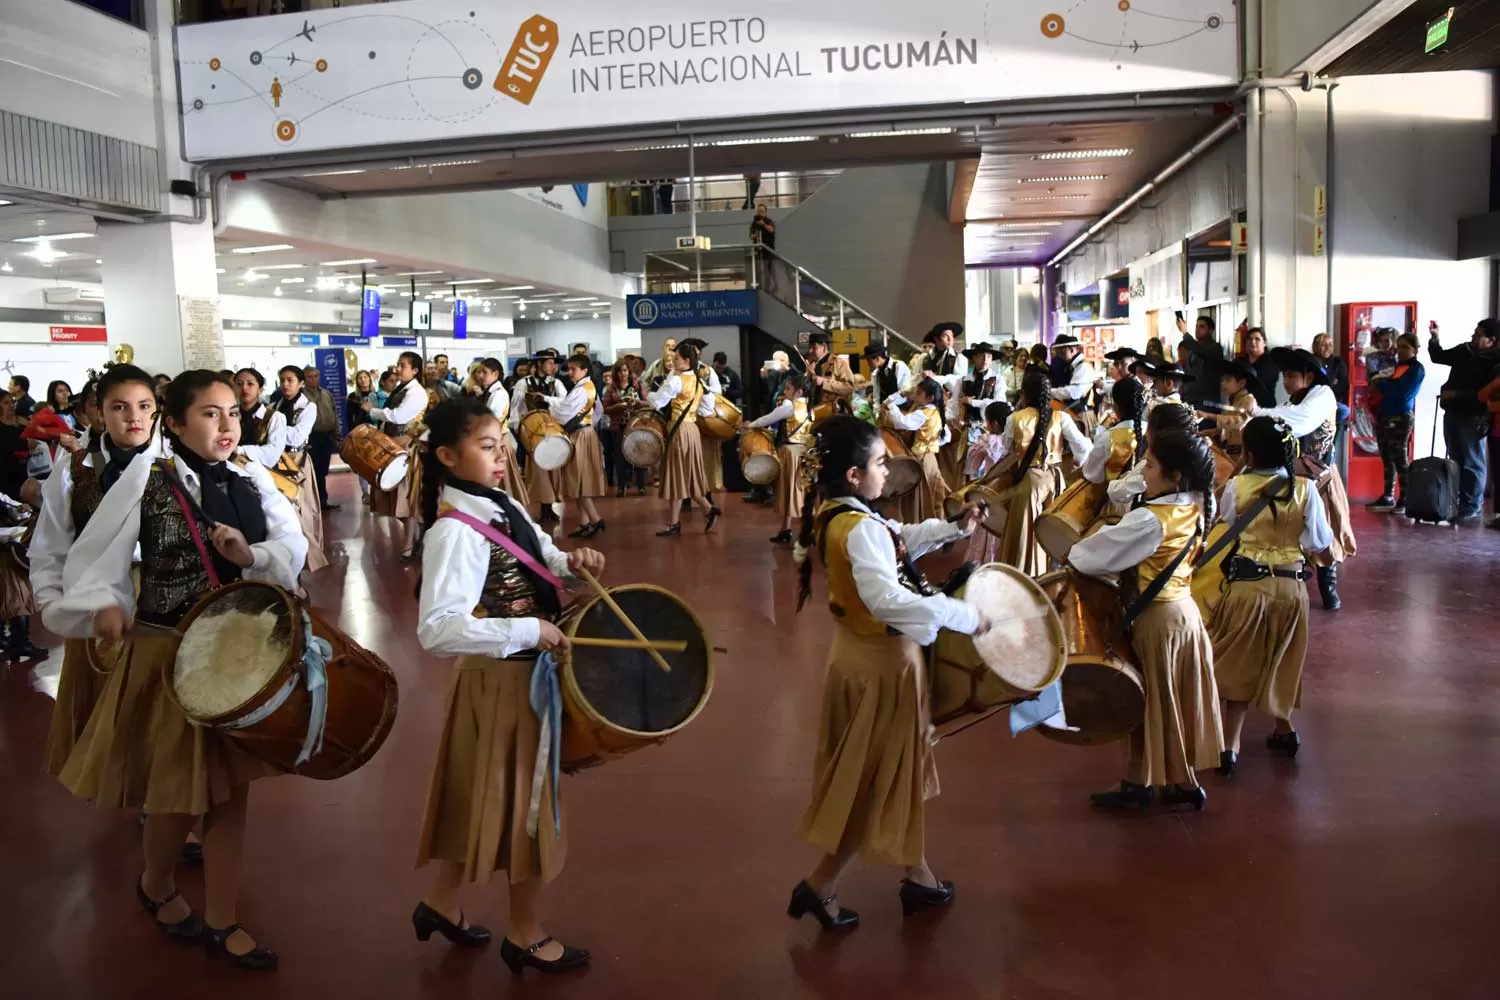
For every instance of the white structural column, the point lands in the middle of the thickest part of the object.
(150, 272)
(1293, 260)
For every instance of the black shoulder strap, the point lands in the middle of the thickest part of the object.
(1267, 497)
(1143, 601)
(697, 395)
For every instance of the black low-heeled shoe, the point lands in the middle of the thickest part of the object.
(519, 958)
(805, 901)
(259, 960)
(188, 930)
(713, 515)
(784, 538)
(1284, 743)
(915, 896)
(1180, 795)
(598, 527)
(192, 852)
(425, 920)
(582, 531)
(1128, 796)
(673, 530)
(1228, 761)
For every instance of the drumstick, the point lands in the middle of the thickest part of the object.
(664, 645)
(983, 509)
(598, 588)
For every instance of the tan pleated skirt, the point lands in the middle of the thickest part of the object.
(480, 790)
(713, 462)
(409, 492)
(874, 768)
(927, 499)
(682, 474)
(16, 599)
(789, 492)
(1182, 731)
(1336, 502)
(139, 751)
(542, 485)
(1026, 502)
(310, 512)
(77, 690)
(583, 476)
(515, 483)
(1259, 637)
(951, 458)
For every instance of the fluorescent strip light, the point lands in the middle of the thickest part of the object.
(333, 173)
(652, 149)
(346, 263)
(899, 131)
(757, 142)
(415, 274)
(1065, 179)
(469, 281)
(279, 267)
(517, 288)
(3, 202)
(1053, 197)
(221, 270)
(54, 239)
(585, 298)
(293, 281)
(267, 248)
(1085, 154)
(437, 163)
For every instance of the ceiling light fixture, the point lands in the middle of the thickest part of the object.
(266, 248)
(221, 270)
(6, 268)
(350, 288)
(415, 274)
(596, 315)
(470, 281)
(767, 140)
(1053, 197)
(1062, 179)
(899, 131)
(3, 202)
(332, 173)
(293, 281)
(45, 253)
(276, 291)
(58, 238)
(346, 263)
(280, 267)
(517, 288)
(583, 298)
(437, 163)
(1085, 154)
(252, 277)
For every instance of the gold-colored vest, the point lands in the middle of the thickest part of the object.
(1179, 522)
(1122, 443)
(585, 418)
(798, 425)
(1023, 429)
(925, 441)
(1271, 542)
(686, 401)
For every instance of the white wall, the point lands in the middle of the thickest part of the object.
(562, 334)
(1296, 29)
(719, 338)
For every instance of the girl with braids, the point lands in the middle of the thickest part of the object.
(1117, 449)
(929, 433)
(1171, 418)
(126, 429)
(196, 518)
(874, 769)
(300, 414)
(1035, 434)
(683, 477)
(793, 433)
(1157, 540)
(983, 456)
(486, 599)
(1259, 631)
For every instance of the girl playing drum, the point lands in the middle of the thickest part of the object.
(929, 434)
(196, 518)
(874, 769)
(683, 477)
(582, 479)
(488, 606)
(300, 414)
(793, 433)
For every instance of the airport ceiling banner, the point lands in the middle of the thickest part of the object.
(436, 69)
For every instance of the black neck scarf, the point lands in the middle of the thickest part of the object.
(228, 497)
(520, 533)
(115, 460)
(288, 408)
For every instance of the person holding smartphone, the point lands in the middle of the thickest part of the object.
(1466, 420)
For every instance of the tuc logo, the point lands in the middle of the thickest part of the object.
(526, 63)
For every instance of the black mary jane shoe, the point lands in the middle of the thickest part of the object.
(673, 530)
(519, 958)
(1228, 761)
(915, 897)
(598, 528)
(188, 930)
(259, 960)
(784, 538)
(582, 531)
(425, 920)
(1184, 795)
(714, 513)
(192, 852)
(1284, 743)
(1127, 796)
(805, 901)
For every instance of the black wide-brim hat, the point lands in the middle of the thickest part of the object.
(1300, 359)
(1242, 370)
(1157, 369)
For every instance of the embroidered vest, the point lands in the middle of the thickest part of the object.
(684, 406)
(1272, 541)
(925, 439)
(797, 429)
(172, 572)
(88, 491)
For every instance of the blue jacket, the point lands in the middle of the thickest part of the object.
(1398, 394)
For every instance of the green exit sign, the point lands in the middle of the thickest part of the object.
(1437, 32)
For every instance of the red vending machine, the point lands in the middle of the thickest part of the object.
(1356, 322)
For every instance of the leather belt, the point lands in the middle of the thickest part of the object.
(1242, 570)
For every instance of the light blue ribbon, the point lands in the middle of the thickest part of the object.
(1034, 711)
(315, 656)
(546, 702)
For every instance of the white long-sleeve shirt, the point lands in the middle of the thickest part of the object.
(712, 387)
(950, 382)
(1096, 466)
(299, 427)
(669, 390)
(565, 408)
(413, 402)
(1124, 490)
(455, 561)
(1318, 407)
(96, 574)
(1118, 547)
(1083, 379)
(903, 382)
(1317, 533)
(913, 421)
(498, 400)
(782, 412)
(518, 405)
(872, 558)
(269, 454)
(977, 403)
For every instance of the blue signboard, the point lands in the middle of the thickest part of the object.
(460, 320)
(369, 313)
(305, 340)
(398, 341)
(347, 340)
(330, 361)
(732, 308)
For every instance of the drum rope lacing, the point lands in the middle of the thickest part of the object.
(315, 656)
(546, 702)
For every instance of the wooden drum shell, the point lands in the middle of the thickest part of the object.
(644, 443)
(725, 422)
(758, 459)
(1102, 691)
(369, 451)
(537, 431)
(1068, 516)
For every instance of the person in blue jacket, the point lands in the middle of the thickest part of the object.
(1397, 390)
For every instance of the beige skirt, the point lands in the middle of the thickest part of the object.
(1182, 731)
(77, 691)
(1259, 637)
(713, 463)
(515, 483)
(583, 476)
(874, 768)
(542, 485)
(1336, 502)
(1027, 500)
(16, 600)
(409, 492)
(682, 476)
(480, 790)
(951, 457)
(139, 751)
(310, 512)
(927, 499)
(789, 492)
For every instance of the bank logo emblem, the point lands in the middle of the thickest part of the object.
(645, 312)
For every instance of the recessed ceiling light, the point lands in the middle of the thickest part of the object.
(220, 270)
(6, 268)
(1064, 179)
(3, 202)
(346, 263)
(276, 291)
(1053, 197)
(267, 248)
(899, 131)
(98, 260)
(1085, 154)
(596, 315)
(59, 237)
(584, 298)
(470, 281)
(253, 277)
(279, 267)
(293, 281)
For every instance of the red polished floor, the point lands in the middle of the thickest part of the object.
(1366, 869)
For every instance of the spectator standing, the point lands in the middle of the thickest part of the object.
(763, 235)
(596, 369)
(752, 189)
(1205, 358)
(1396, 389)
(442, 381)
(622, 393)
(1338, 377)
(1466, 420)
(20, 390)
(729, 379)
(1155, 353)
(324, 439)
(354, 413)
(13, 450)
(1268, 374)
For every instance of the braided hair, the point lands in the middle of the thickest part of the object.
(840, 443)
(1190, 457)
(1036, 392)
(1129, 398)
(1270, 443)
(1171, 418)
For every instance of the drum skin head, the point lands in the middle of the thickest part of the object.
(391, 475)
(643, 449)
(902, 476)
(552, 452)
(762, 469)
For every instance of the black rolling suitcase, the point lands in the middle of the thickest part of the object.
(1432, 486)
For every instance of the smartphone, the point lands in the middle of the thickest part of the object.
(1180, 317)
(1432, 327)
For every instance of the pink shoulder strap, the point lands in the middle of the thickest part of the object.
(505, 542)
